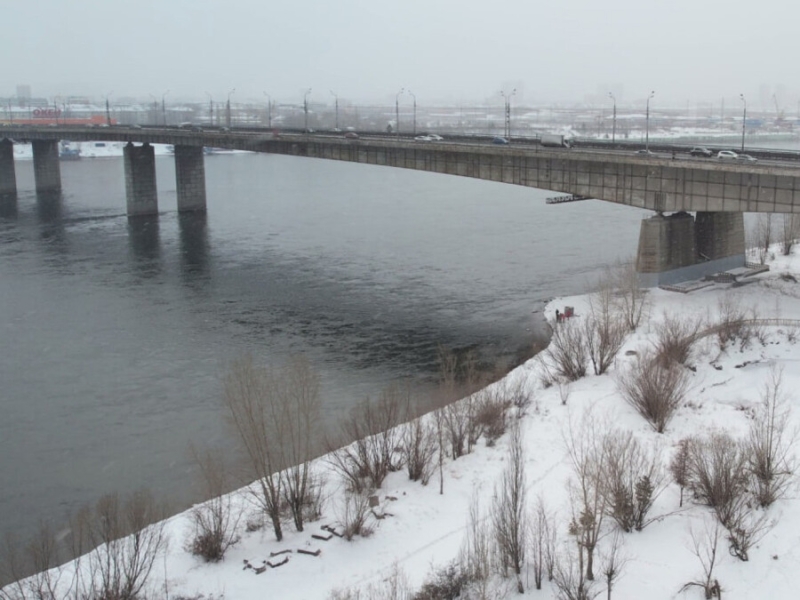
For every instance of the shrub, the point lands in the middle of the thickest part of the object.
(446, 583)
(653, 389)
(675, 337)
(717, 474)
(566, 354)
(419, 449)
(353, 515)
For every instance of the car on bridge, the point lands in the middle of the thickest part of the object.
(701, 151)
(746, 158)
(500, 141)
(727, 154)
(351, 135)
(645, 151)
(423, 138)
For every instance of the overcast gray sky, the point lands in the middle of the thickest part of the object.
(443, 50)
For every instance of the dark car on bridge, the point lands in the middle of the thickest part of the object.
(701, 151)
(500, 140)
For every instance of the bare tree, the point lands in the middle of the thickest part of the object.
(352, 515)
(613, 561)
(476, 552)
(632, 479)
(679, 465)
(419, 449)
(127, 539)
(605, 328)
(509, 508)
(215, 520)
(41, 555)
(297, 390)
(542, 539)
(587, 501)
(630, 298)
(704, 547)
(770, 443)
(570, 578)
(655, 390)
(791, 231)
(256, 416)
(366, 462)
(746, 527)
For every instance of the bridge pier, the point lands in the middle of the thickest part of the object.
(678, 248)
(140, 179)
(46, 166)
(190, 178)
(8, 176)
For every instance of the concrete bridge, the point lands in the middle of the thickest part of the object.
(671, 248)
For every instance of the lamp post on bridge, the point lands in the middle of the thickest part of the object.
(614, 125)
(336, 109)
(305, 110)
(507, 99)
(397, 111)
(210, 110)
(415, 110)
(108, 109)
(647, 123)
(744, 118)
(164, 108)
(55, 107)
(269, 110)
(228, 109)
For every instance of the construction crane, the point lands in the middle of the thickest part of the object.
(778, 111)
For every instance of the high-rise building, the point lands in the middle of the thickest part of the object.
(23, 91)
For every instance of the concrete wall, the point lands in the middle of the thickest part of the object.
(46, 166)
(190, 178)
(8, 176)
(140, 179)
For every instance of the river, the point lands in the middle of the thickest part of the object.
(115, 334)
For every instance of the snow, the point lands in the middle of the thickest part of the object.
(425, 530)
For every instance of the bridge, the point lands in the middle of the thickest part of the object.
(671, 248)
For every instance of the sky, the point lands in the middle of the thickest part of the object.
(445, 51)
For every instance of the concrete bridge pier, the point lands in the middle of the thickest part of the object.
(8, 176)
(678, 248)
(190, 177)
(140, 179)
(46, 166)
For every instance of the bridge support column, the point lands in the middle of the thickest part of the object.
(46, 168)
(140, 179)
(720, 238)
(190, 177)
(8, 176)
(677, 248)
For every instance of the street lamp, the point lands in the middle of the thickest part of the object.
(108, 109)
(164, 107)
(305, 108)
(507, 97)
(336, 126)
(415, 110)
(228, 109)
(744, 118)
(614, 126)
(269, 110)
(647, 123)
(210, 110)
(397, 111)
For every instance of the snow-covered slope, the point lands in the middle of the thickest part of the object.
(424, 530)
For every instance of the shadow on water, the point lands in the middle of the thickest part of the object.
(194, 247)
(144, 241)
(50, 213)
(8, 206)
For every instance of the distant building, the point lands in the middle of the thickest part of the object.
(23, 91)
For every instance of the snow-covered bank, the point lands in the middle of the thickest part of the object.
(424, 530)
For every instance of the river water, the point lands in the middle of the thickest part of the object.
(115, 334)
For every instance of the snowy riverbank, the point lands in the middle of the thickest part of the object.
(424, 530)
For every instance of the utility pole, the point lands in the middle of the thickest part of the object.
(228, 109)
(647, 123)
(614, 122)
(415, 110)
(108, 110)
(397, 112)
(305, 108)
(336, 126)
(744, 118)
(507, 97)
